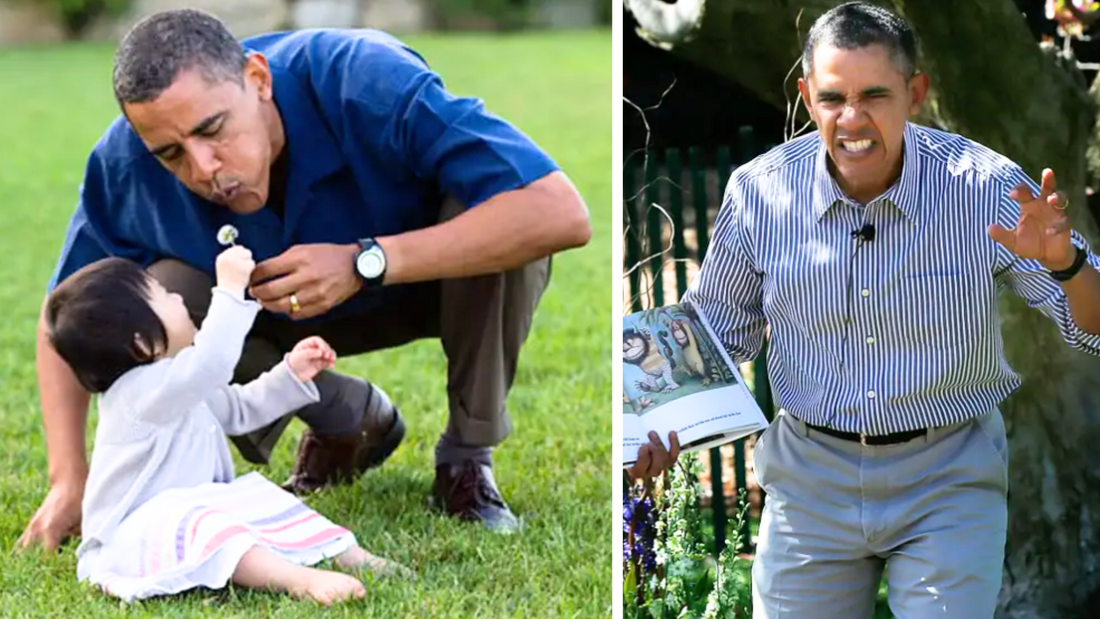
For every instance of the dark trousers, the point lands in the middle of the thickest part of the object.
(482, 323)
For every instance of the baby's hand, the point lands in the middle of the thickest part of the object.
(234, 267)
(310, 356)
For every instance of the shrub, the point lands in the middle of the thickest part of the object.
(77, 15)
(482, 14)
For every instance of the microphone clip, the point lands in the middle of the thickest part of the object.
(866, 233)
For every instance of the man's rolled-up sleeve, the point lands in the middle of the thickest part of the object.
(473, 153)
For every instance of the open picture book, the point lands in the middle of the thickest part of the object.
(677, 377)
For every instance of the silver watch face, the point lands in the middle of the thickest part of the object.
(370, 264)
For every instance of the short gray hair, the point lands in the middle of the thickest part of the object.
(158, 48)
(855, 25)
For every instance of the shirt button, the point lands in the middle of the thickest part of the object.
(865, 292)
(871, 395)
(870, 339)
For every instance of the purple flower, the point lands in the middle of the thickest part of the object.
(639, 519)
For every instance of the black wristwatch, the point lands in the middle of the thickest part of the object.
(1074, 269)
(370, 262)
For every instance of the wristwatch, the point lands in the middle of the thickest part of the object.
(1078, 262)
(370, 262)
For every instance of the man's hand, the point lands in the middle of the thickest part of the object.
(1043, 231)
(56, 519)
(234, 266)
(654, 459)
(319, 276)
(310, 356)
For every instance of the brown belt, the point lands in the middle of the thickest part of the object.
(863, 439)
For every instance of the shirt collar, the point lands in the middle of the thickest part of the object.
(904, 194)
(826, 190)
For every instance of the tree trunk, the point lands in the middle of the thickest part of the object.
(991, 83)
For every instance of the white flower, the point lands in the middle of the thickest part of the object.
(227, 235)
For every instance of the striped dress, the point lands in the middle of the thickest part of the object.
(195, 537)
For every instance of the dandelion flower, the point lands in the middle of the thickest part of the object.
(227, 235)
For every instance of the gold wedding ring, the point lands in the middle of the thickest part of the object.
(294, 307)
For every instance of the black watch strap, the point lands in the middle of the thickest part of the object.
(1074, 269)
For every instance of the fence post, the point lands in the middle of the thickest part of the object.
(723, 167)
(676, 210)
(653, 229)
(701, 206)
(699, 195)
(633, 248)
(746, 144)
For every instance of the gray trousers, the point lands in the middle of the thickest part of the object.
(932, 513)
(482, 323)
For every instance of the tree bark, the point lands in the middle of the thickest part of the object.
(991, 83)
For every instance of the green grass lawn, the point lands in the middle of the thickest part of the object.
(556, 468)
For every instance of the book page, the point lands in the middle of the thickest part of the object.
(634, 436)
(705, 418)
(677, 378)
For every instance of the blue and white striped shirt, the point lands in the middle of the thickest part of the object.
(923, 345)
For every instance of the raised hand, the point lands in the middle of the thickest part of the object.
(234, 268)
(310, 356)
(1043, 230)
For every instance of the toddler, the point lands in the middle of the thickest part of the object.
(162, 512)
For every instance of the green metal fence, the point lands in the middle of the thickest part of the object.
(662, 178)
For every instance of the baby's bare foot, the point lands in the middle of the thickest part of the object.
(328, 587)
(355, 558)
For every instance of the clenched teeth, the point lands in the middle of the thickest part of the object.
(857, 145)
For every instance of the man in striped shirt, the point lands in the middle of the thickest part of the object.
(874, 249)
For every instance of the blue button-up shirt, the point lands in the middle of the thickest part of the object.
(375, 142)
(897, 333)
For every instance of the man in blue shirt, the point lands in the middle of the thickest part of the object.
(380, 209)
(874, 249)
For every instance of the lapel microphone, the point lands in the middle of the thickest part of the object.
(866, 233)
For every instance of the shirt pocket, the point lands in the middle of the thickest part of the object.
(935, 310)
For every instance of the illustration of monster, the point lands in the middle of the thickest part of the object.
(693, 357)
(639, 350)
